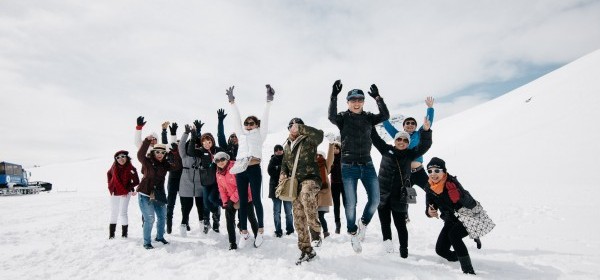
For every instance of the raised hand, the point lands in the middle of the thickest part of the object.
(221, 114)
(188, 128)
(229, 93)
(337, 88)
(429, 102)
(270, 93)
(373, 91)
(426, 124)
(173, 147)
(140, 121)
(165, 125)
(198, 124)
(173, 128)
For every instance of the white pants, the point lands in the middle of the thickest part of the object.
(118, 207)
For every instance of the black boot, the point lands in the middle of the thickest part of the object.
(403, 252)
(206, 226)
(111, 230)
(216, 219)
(338, 227)
(124, 231)
(232, 246)
(478, 241)
(169, 226)
(465, 265)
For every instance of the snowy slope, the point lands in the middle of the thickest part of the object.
(529, 163)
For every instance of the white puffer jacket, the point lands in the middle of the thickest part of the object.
(250, 142)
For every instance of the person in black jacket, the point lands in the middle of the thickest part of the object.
(274, 169)
(231, 145)
(446, 194)
(394, 178)
(337, 185)
(355, 131)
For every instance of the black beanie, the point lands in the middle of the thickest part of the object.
(293, 121)
(277, 148)
(437, 163)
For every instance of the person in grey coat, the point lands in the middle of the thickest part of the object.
(190, 189)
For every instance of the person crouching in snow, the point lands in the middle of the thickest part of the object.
(228, 191)
(394, 178)
(446, 194)
(122, 180)
(152, 198)
(304, 140)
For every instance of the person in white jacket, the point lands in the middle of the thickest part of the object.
(247, 166)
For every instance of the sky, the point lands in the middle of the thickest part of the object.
(75, 76)
(533, 179)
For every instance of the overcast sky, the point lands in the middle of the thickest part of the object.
(74, 75)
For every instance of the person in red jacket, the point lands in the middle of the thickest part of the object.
(122, 179)
(230, 198)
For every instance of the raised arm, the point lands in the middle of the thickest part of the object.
(264, 122)
(330, 157)
(379, 144)
(184, 138)
(313, 136)
(384, 114)
(430, 111)
(137, 139)
(424, 141)
(221, 129)
(391, 130)
(141, 154)
(163, 134)
(333, 116)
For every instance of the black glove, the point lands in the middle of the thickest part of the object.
(173, 147)
(221, 114)
(337, 88)
(188, 128)
(229, 205)
(229, 93)
(140, 121)
(198, 124)
(173, 128)
(374, 92)
(270, 93)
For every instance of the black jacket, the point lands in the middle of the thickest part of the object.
(230, 148)
(445, 204)
(273, 170)
(394, 171)
(355, 130)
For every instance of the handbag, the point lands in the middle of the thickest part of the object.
(240, 165)
(408, 195)
(475, 220)
(287, 189)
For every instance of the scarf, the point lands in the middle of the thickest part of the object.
(438, 187)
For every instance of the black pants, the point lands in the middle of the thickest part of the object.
(451, 235)
(187, 203)
(337, 189)
(323, 221)
(419, 178)
(212, 203)
(230, 220)
(252, 176)
(385, 218)
(172, 190)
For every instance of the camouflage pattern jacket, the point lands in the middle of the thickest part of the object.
(307, 169)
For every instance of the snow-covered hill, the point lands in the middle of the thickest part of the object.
(528, 157)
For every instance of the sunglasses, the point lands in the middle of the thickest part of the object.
(120, 156)
(160, 152)
(249, 123)
(435, 171)
(402, 140)
(217, 160)
(410, 123)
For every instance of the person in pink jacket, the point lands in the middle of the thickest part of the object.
(229, 196)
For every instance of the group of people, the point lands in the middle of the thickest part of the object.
(229, 176)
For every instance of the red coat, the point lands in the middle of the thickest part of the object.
(122, 179)
(228, 186)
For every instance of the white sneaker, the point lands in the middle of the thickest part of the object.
(183, 230)
(259, 240)
(244, 238)
(362, 231)
(389, 246)
(355, 241)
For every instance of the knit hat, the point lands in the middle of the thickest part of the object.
(121, 152)
(277, 148)
(162, 147)
(436, 162)
(322, 153)
(221, 155)
(355, 94)
(402, 134)
(409, 119)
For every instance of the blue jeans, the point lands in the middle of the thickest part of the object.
(289, 218)
(149, 209)
(210, 196)
(253, 177)
(351, 173)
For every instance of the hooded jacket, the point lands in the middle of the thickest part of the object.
(309, 139)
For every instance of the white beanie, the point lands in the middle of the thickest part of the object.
(221, 155)
(402, 134)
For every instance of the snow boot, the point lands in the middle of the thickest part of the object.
(465, 265)
(216, 220)
(259, 239)
(278, 234)
(162, 240)
(169, 226)
(315, 236)
(111, 230)
(403, 252)
(338, 227)
(389, 246)
(148, 246)
(478, 241)
(362, 231)
(244, 239)
(124, 231)
(326, 234)
(206, 227)
(232, 246)
(355, 241)
(187, 227)
(306, 256)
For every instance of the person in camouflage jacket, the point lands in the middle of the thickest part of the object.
(309, 183)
